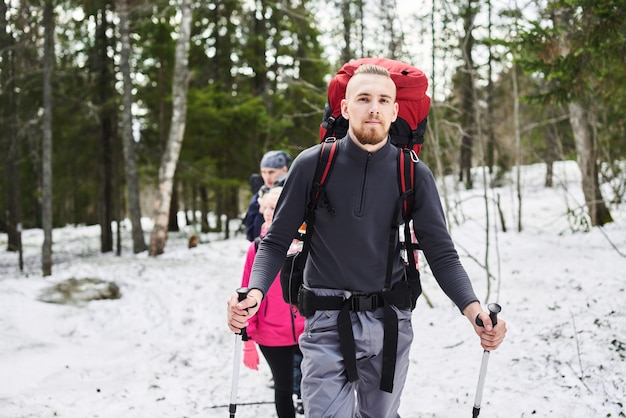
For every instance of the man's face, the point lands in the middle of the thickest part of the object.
(270, 175)
(370, 106)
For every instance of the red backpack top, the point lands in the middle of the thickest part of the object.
(411, 84)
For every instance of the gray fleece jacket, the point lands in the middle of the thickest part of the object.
(349, 248)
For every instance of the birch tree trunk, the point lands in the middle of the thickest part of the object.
(580, 114)
(468, 94)
(177, 131)
(46, 197)
(586, 150)
(130, 163)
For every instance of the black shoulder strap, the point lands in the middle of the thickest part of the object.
(322, 171)
(406, 165)
(404, 205)
(406, 179)
(318, 190)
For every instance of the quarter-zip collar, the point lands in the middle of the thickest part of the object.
(359, 154)
(364, 160)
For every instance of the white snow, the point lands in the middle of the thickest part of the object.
(163, 349)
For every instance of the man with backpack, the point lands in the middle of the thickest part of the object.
(358, 330)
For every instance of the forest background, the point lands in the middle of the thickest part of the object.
(118, 109)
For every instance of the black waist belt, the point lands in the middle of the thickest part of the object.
(398, 296)
(357, 302)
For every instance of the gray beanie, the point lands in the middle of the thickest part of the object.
(275, 159)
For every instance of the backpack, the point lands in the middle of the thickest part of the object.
(411, 85)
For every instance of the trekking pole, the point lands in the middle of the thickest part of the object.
(242, 293)
(494, 310)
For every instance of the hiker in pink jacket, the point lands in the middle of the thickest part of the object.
(277, 326)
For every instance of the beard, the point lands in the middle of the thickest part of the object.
(369, 136)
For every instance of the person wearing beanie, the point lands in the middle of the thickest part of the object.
(278, 160)
(273, 167)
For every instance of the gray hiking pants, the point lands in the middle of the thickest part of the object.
(326, 391)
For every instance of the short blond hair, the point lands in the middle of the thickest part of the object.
(369, 69)
(372, 69)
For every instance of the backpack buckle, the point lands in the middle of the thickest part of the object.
(364, 302)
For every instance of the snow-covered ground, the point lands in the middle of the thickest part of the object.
(163, 349)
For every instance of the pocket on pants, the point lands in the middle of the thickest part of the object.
(321, 321)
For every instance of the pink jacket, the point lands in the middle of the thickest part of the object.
(272, 325)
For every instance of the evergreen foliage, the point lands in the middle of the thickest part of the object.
(259, 71)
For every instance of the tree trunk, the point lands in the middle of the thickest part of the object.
(12, 176)
(491, 136)
(130, 163)
(433, 124)
(468, 96)
(105, 81)
(118, 198)
(204, 209)
(347, 52)
(172, 223)
(9, 138)
(190, 204)
(518, 147)
(580, 114)
(46, 196)
(552, 152)
(171, 153)
(586, 149)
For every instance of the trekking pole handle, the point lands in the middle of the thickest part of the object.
(494, 310)
(242, 294)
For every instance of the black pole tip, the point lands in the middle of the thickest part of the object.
(475, 412)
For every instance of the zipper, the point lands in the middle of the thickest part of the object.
(362, 199)
(293, 325)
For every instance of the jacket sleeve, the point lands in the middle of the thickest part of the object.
(432, 234)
